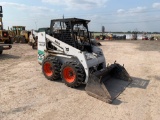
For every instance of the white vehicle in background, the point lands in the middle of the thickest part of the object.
(34, 36)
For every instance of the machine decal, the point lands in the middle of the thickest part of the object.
(57, 42)
(42, 44)
(40, 55)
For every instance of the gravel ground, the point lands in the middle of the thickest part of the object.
(25, 94)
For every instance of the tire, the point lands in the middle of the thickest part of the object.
(29, 43)
(1, 52)
(17, 39)
(22, 39)
(51, 68)
(34, 46)
(73, 74)
(6, 42)
(11, 41)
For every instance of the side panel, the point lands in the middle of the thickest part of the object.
(70, 51)
(41, 46)
(100, 54)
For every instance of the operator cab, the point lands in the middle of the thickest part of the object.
(72, 31)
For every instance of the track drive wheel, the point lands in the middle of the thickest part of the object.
(72, 74)
(51, 68)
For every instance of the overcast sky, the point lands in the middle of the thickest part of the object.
(115, 15)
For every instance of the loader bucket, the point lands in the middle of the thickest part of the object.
(108, 84)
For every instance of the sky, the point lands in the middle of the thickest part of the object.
(114, 15)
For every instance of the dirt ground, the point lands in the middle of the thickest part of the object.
(25, 94)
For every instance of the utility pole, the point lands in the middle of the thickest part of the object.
(103, 30)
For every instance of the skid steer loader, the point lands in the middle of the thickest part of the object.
(68, 52)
